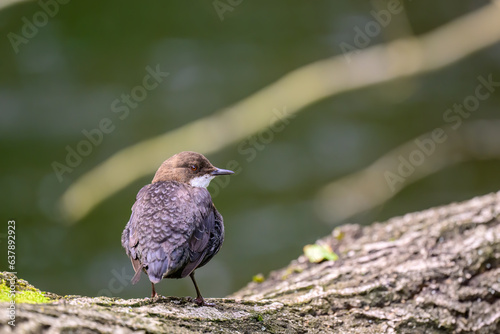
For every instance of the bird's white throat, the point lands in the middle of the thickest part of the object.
(201, 181)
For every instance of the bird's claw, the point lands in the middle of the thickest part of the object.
(200, 301)
(156, 297)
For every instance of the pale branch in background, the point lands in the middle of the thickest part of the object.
(7, 3)
(402, 58)
(406, 164)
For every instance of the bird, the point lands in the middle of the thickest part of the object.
(174, 227)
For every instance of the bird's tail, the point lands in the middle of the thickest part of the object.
(156, 270)
(137, 276)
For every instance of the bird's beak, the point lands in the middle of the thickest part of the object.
(220, 171)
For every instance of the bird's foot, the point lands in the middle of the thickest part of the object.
(200, 301)
(155, 297)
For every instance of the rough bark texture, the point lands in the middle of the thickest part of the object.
(435, 271)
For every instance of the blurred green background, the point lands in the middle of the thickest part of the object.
(64, 79)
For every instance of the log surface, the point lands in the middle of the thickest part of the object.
(434, 271)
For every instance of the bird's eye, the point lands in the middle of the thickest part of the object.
(194, 168)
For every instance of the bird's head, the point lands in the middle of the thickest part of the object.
(189, 167)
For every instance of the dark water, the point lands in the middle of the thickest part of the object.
(64, 78)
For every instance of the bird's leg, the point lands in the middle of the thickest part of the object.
(153, 292)
(199, 299)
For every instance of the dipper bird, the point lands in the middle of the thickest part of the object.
(174, 227)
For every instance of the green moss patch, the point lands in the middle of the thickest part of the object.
(25, 292)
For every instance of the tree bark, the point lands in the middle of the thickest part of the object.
(435, 271)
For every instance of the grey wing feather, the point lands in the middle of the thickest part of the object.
(198, 243)
(130, 238)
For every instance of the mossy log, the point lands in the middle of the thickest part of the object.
(435, 271)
